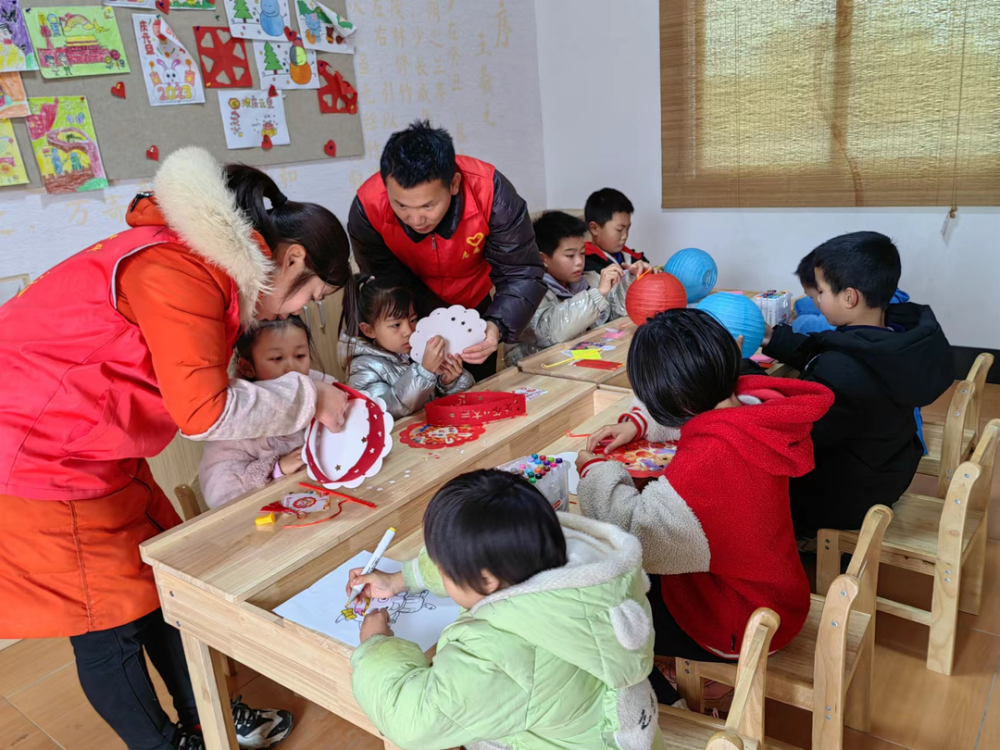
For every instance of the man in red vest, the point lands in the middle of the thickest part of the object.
(457, 229)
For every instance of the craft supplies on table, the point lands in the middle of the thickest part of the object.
(562, 360)
(775, 306)
(549, 474)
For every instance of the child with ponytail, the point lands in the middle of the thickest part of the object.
(375, 330)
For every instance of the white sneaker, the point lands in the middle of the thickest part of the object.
(260, 727)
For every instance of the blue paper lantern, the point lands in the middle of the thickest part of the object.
(696, 270)
(738, 315)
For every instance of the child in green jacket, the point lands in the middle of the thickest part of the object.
(554, 644)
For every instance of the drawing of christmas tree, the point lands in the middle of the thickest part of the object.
(271, 61)
(241, 11)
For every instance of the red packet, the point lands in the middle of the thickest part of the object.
(597, 364)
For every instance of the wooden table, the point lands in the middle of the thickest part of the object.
(535, 363)
(220, 576)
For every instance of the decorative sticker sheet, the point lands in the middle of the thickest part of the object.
(65, 145)
(171, 73)
(76, 40)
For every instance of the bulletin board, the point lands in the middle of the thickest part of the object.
(127, 128)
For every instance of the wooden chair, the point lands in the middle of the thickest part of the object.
(744, 727)
(945, 539)
(827, 668)
(952, 441)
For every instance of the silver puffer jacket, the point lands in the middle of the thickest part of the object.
(565, 313)
(403, 384)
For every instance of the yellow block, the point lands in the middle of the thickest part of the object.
(265, 520)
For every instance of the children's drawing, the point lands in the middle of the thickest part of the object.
(250, 114)
(336, 95)
(171, 74)
(76, 41)
(192, 4)
(258, 19)
(224, 62)
(65, 145)
(13, 100)
(416, 617)
(324, 29)
(11, 164)
(285, 65)
(133, 4)
(16, 51)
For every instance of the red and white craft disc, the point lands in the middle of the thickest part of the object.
(348, 457)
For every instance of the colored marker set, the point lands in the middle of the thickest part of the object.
(549, 474)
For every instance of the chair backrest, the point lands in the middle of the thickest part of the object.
(958, 419)
(983, 457)
(190, 500)
(977, 376)
(746, 716)
(854, 591)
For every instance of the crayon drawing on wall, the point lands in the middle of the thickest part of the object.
(16, 52)
(65, 145)
(248, 115)
(11, 164)
(285, 66)
(13, 101)
(171, 73)
(324, 29)
(258, 19)
(76, 41)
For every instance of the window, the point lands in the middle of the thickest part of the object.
(830, 102)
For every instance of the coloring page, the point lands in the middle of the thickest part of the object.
(171, 73)
(65, 145)
(11, 164)
(16, 52)
(323, 29)
(248, 115)
(80, 40)
(285, 66)
(13, 101)
(258, 19)
(323, 606)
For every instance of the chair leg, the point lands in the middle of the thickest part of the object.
(827, 559)
(690, 685)
(971, 594)
(944, 617)
(858, 706)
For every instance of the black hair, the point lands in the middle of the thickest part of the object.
(493, 520)
(246, 341)
(866, 261)
(602, 205)
(553, 227)
(806, 271)
(682, 363)
(369, 299)
(418, 154)
(308, 224)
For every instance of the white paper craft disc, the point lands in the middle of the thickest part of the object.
(457, 325)
(337, 453)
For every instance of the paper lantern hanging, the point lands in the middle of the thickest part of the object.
(348, 457)
(738, 315)
(652, 294)
(696, 270)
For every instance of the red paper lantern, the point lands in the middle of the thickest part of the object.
(654, 293)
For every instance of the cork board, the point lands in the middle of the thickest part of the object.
(126, 128)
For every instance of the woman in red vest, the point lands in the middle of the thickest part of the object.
(106, 356)
(456, 229)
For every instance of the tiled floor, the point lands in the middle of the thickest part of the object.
(42, 706)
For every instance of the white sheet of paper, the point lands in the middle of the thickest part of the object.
(569, 457)
(459, 326)
(258, 19)
(274, 68)
(171, 73)
(418, 618)
(322, 27)
(249, 113)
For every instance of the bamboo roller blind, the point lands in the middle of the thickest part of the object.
(830, 102)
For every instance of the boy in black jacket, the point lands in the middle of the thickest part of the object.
(881, 362)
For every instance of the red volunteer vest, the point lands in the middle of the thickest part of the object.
(80, 404)
(454, 269)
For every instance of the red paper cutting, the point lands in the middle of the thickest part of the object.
(475, 408)
(597, 364)
(431, 436)
(336, 95)
(224, 62)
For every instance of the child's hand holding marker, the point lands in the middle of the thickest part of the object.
(377, 585)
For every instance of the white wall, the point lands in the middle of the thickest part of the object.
(468, 65)
(600, 87)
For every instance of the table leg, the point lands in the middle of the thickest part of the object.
(208, 678)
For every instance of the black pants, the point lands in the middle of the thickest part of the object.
(670, 640)
(112, 669)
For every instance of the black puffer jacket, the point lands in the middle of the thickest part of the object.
(515, 265)
(866, 447)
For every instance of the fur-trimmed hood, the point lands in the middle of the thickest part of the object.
(190, 191)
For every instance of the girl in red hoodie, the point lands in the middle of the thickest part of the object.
(716, 529)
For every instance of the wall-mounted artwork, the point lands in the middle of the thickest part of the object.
(65, 145)
(76, 40)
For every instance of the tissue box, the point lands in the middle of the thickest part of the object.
(776, 306)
